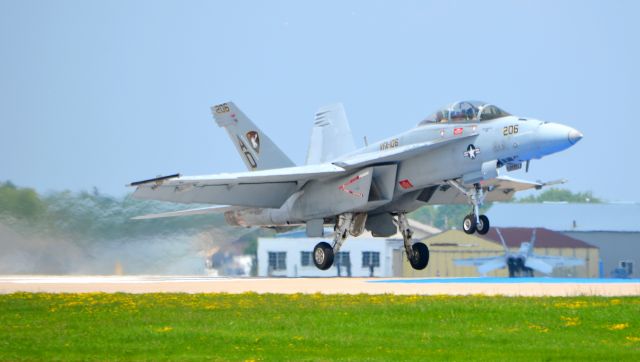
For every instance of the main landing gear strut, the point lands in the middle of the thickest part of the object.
(474, 222)
(418, 252)
(323, 253)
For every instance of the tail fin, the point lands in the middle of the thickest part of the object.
(256, 148)
(331, 135)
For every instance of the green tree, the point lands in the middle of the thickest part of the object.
(445, 216)
(20, 203)
(561, 195)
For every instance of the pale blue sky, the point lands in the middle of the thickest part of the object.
(103, 93)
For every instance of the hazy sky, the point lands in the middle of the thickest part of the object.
(104, 93)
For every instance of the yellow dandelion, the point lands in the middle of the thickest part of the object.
(539, 328)
(571, 305)
(570, 321)
(618, 327)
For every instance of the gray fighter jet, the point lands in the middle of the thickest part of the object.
(520, 263)
(452, 157)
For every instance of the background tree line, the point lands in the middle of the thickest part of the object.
(93, 216)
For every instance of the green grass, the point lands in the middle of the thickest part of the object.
(315, 327)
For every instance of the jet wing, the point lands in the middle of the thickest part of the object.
(538, 265)
(476, 261)
(395, 154)
(558, 261)
(501, 188)
(265, 188)
(484, 265)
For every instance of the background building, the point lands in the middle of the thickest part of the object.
(290, 254)
(613, 228)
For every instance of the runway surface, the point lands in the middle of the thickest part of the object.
(406, 286)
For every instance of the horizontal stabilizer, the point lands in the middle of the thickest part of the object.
(199, 211)
(158, 179)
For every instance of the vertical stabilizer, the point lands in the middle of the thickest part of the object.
(256, 148)
(331, 135)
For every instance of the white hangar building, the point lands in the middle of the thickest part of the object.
(290, 254)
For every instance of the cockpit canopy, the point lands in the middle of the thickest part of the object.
(465, 111)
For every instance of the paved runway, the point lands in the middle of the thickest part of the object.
(435, 286)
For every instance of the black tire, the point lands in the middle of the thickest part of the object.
(469, 224)
(420, 258)
(323, 256)
(483, 226)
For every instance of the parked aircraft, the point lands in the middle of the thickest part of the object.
(521, 263)
(451, 157)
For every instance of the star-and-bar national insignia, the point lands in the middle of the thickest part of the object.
(254, 140)
(471, 152)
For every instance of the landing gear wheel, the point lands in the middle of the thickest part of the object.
(323, 256)
(420, 257)
(483, 226)
(469, 224)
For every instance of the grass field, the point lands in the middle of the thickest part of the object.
(315, 327)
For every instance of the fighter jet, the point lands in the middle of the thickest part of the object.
(521, 263)
(454, 156)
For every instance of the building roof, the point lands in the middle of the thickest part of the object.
(457, 239)
(545, 238)
(618, 217)
(513, 237)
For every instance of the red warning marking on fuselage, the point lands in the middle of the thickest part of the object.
(457, 131)
(406, 184)
(352, 181)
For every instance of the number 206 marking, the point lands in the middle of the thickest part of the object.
(222, 108)
(513, 129)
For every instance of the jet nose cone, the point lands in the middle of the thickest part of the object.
(575, 136)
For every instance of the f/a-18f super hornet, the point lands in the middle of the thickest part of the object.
(520, 263)
(452, 157)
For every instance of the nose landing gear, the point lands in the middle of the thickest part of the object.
(474, 222)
